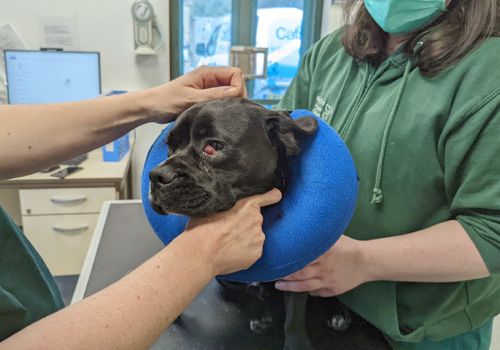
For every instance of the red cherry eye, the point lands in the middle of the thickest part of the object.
(209, 150)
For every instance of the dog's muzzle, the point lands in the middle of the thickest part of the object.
(175, 192)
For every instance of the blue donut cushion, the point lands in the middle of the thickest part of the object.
(315, 210)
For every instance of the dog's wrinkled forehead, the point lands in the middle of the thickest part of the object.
(228, 118)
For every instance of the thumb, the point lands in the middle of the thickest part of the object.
(268, 198)
(220, 92)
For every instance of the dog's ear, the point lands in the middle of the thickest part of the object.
(285, 131)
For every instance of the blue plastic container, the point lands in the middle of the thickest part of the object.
(114, 151)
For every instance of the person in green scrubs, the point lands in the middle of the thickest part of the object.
(133, 312)
(413, 88)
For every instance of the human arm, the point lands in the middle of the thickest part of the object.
(132, 313)
(440, 253)
(34, 137)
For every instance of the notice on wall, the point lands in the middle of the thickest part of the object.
(9, 39)
(59, 32)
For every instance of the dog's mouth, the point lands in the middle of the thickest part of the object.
(179, 197)
(184, 196)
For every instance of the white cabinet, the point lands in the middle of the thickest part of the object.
(64, 200)
(58, 215)
(60, 222)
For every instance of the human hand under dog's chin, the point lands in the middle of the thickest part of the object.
(339, 270)
(167, 101)
(233, 240)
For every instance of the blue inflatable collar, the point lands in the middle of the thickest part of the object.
(315, 210)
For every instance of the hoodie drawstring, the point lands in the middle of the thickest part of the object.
(378, 196)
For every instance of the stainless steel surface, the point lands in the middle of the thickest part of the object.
(127, 241)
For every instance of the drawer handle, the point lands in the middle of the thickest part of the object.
(65, 200)
(69, 229)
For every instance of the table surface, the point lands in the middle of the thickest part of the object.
(124, 239)
(94, 170)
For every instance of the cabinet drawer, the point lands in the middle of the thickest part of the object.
(64, 200)
(61, 240)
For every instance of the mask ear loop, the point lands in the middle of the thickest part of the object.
(418, 47)
(418, 44)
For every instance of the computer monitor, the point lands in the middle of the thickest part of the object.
(35, 77)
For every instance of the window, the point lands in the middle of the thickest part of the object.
(205, 30)
(206, 33)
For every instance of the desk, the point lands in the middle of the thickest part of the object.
(59, 215)
(95, 173)
(123, 239)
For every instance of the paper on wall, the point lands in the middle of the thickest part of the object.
(59, 32)
(9, 39)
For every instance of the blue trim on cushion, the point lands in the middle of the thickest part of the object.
(314, 212)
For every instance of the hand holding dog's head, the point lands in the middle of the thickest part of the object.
(221, 151)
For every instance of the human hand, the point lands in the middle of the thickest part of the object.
(167, 101)
(339, 270)
(233, 240)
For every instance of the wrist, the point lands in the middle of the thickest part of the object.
(145, 103)
(203, 248)
(131, 106)
(371, 261)
(154, 105)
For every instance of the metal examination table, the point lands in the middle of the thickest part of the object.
(123, 240)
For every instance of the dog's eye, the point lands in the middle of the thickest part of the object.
(217, 145)
(209, 150)
(212, 147)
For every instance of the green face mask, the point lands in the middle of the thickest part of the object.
(404, 16)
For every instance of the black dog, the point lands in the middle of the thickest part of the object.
(224, 150)
(221, 151)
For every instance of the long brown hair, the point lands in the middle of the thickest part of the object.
(464, 25)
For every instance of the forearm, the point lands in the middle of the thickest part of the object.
(130, 314)
(35, 137)
(441, 253)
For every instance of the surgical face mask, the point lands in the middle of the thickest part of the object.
(404, 16)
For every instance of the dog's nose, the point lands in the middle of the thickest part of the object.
(161, 177)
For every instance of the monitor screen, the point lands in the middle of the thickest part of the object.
(51, 76)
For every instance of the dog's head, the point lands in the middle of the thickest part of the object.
(221, 151)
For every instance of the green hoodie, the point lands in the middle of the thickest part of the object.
(427, 150)
(28, 292)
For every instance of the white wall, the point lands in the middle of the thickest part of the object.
(336, 16)
(332, 16)
(104, 26)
